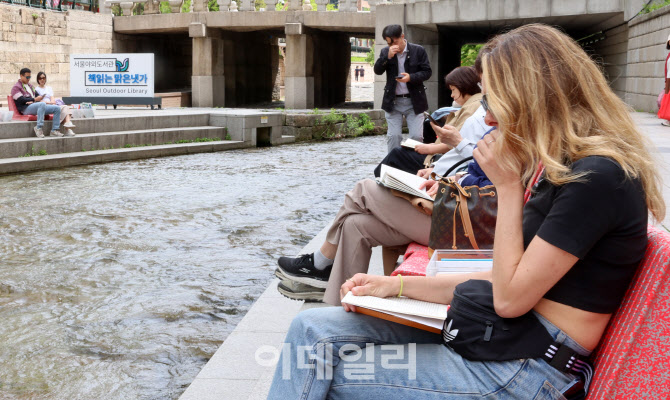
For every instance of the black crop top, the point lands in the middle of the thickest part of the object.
(603, 221)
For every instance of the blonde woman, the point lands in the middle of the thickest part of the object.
(48, 97)
(564, 259)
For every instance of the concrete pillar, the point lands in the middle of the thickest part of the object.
(299, 80)
(385, 16)
(199, 5)
(430, 42)
(207, 80)
(274, 57)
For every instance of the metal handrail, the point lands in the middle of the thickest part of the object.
(55, 5)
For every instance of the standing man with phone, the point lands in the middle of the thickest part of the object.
(406, 66)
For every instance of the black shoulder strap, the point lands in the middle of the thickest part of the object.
(453, 167)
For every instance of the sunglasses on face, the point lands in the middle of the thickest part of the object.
(42, 78)
(28, 77)
(485, 103)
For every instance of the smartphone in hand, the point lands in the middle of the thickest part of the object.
(427, 115)
(400, 76)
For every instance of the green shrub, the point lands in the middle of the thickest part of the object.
(655, 5)
(331, 118)
(357, 126)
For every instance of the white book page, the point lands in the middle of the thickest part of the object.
(403, 181)
(410, 143)
(400, 305)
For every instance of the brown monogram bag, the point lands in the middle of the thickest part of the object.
(463, 217)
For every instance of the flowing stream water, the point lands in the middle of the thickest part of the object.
(119, 281)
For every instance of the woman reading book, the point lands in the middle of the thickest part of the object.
(465, 92)
(564, 259)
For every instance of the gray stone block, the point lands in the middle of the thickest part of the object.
(197, 30)
(568, 7)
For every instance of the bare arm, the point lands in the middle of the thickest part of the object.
(436, 289)
(432, 148)
(667, 85)
(520, 278)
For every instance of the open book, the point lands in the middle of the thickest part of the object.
(415, 313)
(410, 143)
(394, 178)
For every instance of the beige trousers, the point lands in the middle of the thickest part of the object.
(370, 216)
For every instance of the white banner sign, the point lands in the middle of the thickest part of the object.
(112, 75)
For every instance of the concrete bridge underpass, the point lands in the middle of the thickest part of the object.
(230, 58)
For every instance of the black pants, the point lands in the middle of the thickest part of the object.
(404, 159)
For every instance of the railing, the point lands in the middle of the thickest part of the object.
(57, 5)
(153, 6)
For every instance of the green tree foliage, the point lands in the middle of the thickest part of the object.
(186, 7)
(370, 58)
(469, 54)
(654, 5)
(165, 7)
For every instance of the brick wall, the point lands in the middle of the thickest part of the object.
(647, 36)
(43, 41)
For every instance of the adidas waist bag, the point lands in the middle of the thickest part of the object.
(476, 332)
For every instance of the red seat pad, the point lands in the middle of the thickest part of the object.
(414, 261)
(21, 117)
(633, 358)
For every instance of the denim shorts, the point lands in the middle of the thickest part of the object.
(329, 353)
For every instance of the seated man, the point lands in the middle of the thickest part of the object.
(29, 103)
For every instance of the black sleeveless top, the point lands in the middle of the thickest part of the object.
(602, 221)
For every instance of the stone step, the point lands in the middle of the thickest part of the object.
(18, 147)
(20, 129)
(26, 164)
(286, 139)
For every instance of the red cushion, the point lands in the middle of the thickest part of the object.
(414, 261)
(20, 117)
(633, 359)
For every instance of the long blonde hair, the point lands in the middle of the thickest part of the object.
(554, 105)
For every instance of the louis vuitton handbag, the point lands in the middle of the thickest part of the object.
(463, 217)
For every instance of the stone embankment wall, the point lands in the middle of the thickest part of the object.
(43, 41)
(319, 126)
(646, 58)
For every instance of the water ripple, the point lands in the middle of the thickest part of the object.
(119, 281)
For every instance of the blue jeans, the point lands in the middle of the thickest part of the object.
(332, 354)
(402, 106)
(38, 108)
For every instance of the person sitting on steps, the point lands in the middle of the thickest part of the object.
(47, 94)
(28, 102)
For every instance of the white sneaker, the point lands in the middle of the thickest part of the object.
(69, 132)
(38, 132)
(68, 124)
(56, 134)
(665, 123)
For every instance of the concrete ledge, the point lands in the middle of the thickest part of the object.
(109, 140)
(233, 372)
(26, 164)
(19, 129)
